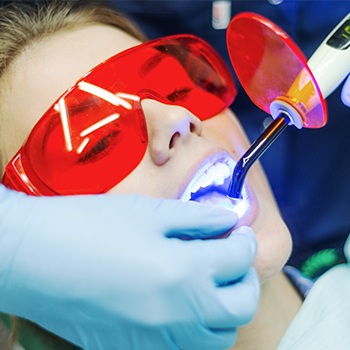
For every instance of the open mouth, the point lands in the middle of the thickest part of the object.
(210, 185)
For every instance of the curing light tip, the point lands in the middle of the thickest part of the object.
(254, 152)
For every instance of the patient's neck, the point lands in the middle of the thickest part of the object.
(278, 306)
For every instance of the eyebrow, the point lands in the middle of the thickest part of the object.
(104, 94)
(149, 65)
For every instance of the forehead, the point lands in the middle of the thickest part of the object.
(39, 75)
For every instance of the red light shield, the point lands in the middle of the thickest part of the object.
(270, 66)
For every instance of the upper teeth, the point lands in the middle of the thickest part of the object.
(214, 174)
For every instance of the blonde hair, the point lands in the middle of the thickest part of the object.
(22, 23)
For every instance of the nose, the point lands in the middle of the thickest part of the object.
(168, 127)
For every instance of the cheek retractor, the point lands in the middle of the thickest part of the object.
(278, 79)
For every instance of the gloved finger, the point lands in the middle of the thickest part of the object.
(196, 336)
(347, 249)
(229, 258)
(239, 302)
(194, 220)
(345, 93)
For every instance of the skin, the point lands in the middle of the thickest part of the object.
(178, 145)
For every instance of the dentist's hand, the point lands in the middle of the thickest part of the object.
(345, 93)
(106, 272)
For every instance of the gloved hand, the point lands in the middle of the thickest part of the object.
(106, 272)
(347, 249)
(345, 93)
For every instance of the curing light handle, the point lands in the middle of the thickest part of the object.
(261, 144)
(330, 63)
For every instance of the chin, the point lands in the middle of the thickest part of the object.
(274, 248)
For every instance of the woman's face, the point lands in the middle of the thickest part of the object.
(181, 147)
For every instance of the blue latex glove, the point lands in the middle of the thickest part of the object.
(103, 272)
(345, 93)
(347, 250)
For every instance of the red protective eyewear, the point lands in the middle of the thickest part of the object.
(95, 134)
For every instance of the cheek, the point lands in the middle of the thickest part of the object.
(226, 130)
(148, 179)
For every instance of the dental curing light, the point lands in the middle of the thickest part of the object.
(278, 79)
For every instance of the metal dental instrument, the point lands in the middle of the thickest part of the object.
(279, 80)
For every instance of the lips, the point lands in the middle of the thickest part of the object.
(210, 184)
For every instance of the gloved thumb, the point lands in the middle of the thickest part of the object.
(194, 220)
(345, 94)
